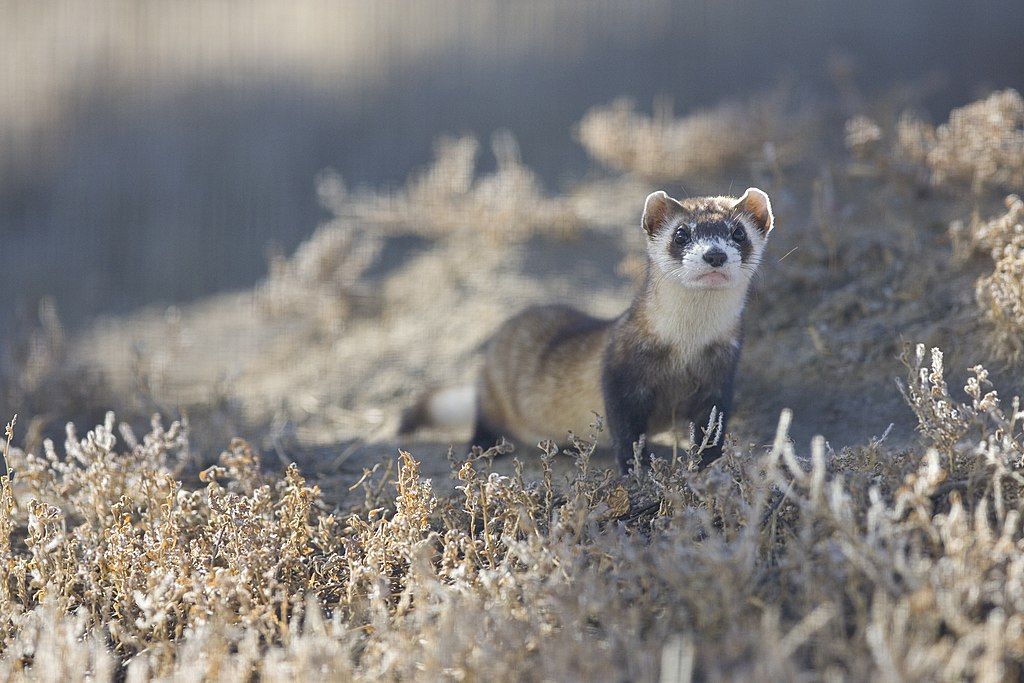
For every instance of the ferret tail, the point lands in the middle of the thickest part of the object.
(447, 408)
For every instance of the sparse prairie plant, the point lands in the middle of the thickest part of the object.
(325, 282)
(664, 147)
(768, 565)
(978, 149)
(1000, 294)
(980, 146)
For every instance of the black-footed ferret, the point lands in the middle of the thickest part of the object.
(671, 354)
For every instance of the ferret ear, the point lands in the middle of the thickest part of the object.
(756, 204)
(657, 209)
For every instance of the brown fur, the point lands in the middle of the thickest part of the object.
(542, 374)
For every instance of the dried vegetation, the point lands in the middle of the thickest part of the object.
(1001, 292)
(663, 147)
(447, 202)
(781, 562)
(858, 565)
(980, 149)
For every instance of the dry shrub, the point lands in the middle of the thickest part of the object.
(662, 147)
(449, 200)
(979, 149)
(862, 565)
(1001, 230)
(863, 137)
(1000, 292)
(325, 279)
(111, 537)
(981, 146)
(1000, 295)
(38, 379)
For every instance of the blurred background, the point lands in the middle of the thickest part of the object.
(286, 219)
(154, 152)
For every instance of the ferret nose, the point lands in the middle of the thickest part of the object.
(715, 256)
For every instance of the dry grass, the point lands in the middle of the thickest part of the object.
(995, 233)
(980, 150)
(979, 147)
(1000, 289)
(863, 137)
(865, 564)
(1001, 293)
(322, 280)
(664, 148)
(448, 202)
(37, 380)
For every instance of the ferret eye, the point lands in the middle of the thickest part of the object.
(739, 234)
(682, 237)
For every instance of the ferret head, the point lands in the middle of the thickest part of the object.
(709, 242)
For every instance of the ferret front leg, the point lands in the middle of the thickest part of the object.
(628, 411)
(716, 399)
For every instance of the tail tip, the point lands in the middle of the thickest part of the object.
(450, 408)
